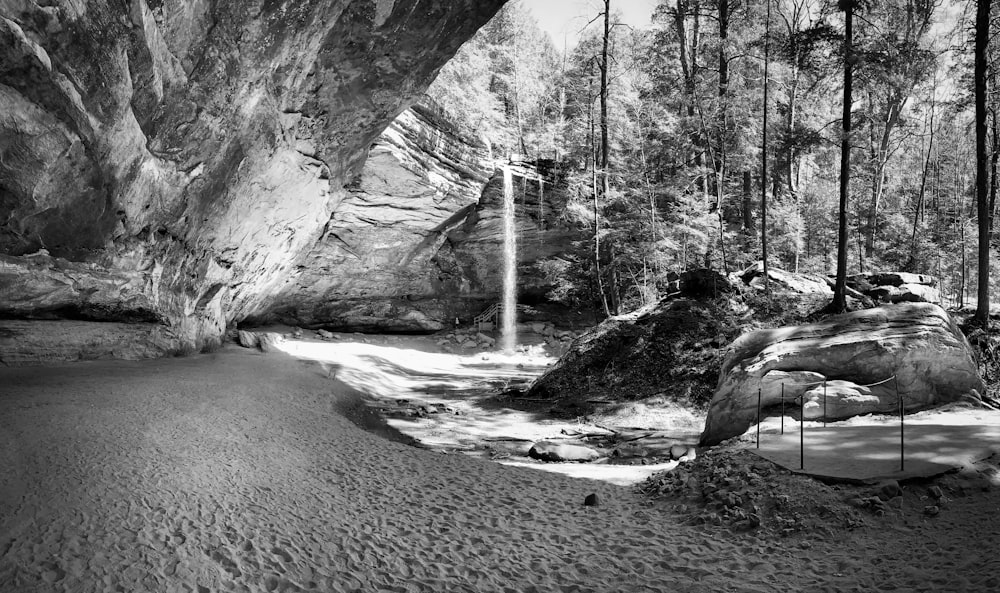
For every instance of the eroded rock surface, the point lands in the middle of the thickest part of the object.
(897, 287)
(919, 344)
(417, 241)
(375, 266)
(196, 151)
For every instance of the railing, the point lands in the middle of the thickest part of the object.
(490, 315)
(801, 401)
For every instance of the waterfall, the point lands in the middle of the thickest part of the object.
(508, 325)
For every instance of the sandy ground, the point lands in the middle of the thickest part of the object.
(395, 370)
(239, 471)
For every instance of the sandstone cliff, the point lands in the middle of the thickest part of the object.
(193, 151)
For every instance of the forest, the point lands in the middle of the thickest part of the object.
(804, 133)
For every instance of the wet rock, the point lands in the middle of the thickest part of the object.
(680, 451)
(552, 451)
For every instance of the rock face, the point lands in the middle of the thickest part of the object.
(417, 241)
(918, 343)
(469, 261)
(897, 287)
(375, 265)
(194, 152)
(551, 451)
(801, 294)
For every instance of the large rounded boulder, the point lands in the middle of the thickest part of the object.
(869, 359)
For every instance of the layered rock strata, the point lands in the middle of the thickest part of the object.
(917, 347)
(195, 150)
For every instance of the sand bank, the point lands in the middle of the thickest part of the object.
(239, 471)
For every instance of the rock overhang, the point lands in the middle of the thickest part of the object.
(200, 146)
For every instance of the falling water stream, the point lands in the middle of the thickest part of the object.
(508, 324)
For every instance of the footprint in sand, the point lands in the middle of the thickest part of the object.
(226, 563)
(52, 572)
(283, 555)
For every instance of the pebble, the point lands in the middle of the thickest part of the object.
(889, 489)
(932, 510)
(592, 500)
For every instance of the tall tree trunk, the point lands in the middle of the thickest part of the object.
(596, 194)
(881, 157)
(790, 180)
(722, 109)
(982, 198)
(912, 264)
(994, 157)
(605, 146)
(748, 205)
(763, 152)
(839, 303)
(688, 56)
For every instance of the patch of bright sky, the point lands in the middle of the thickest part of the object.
(563, 20)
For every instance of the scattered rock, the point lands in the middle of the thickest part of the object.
(683, 453)
(550, 451)
(268, 341)
(935, 491)
(324, 334)
(932, 510)
(247, 339)
(889, 489)
(734, 488)
(592, 500)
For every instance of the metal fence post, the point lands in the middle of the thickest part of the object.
(782, 408)
(824, 403)
(902, 440)
(802, 431)
(758, 417)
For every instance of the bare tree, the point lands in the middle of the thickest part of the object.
(982, 188)
(839, 304)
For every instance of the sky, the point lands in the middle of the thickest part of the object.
(565, 18)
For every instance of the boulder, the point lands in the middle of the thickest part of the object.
(896, 287)
(247, 339)
(269, 341)
(899, 279)
(795, 384)
(551, 451)
(800, 293)
(918, 343)
(916, 293)
(844, 399)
